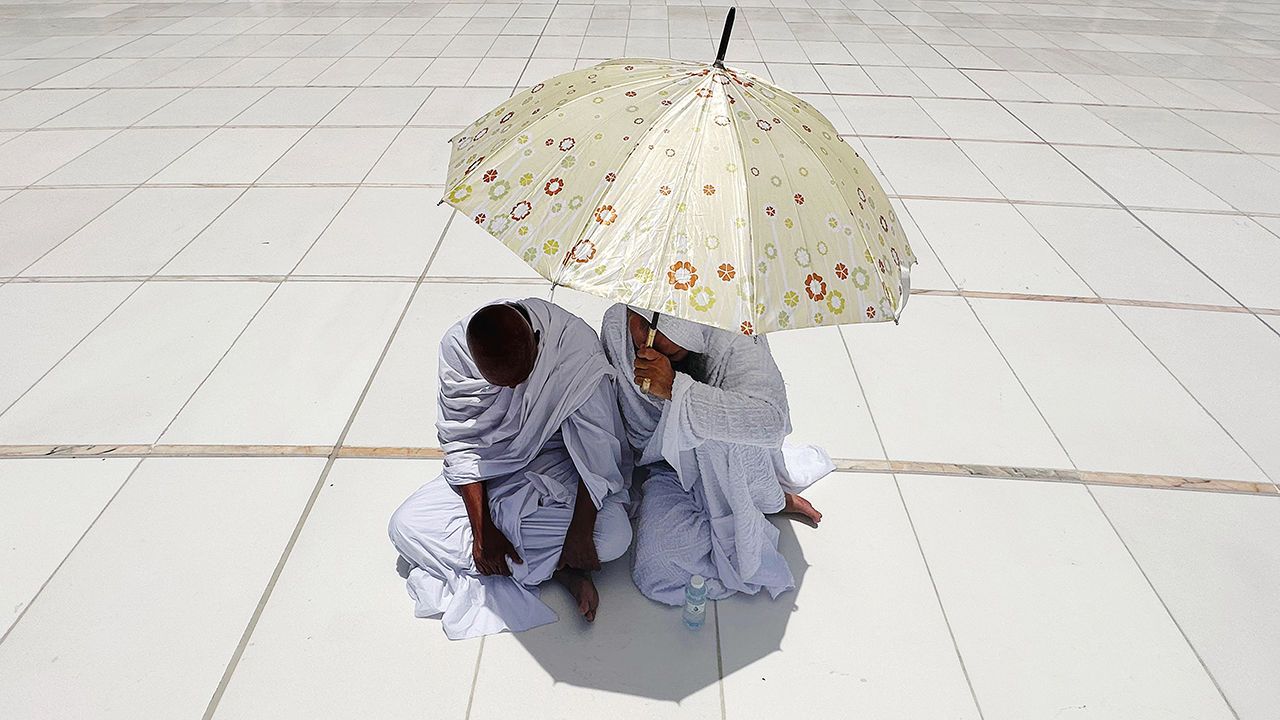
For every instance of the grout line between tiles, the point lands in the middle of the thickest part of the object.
(973, 692)
(475, 679)
(1111, 309)
(845, 465)
(62, 562)
(1137, 218)
(955, 646)
(234, 661)
(724, 707)
(1134, 558)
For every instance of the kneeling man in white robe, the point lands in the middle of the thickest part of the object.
(536, 473)
(710, 434)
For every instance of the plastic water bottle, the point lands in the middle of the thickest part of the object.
(695, 602)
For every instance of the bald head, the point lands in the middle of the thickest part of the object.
(503, 344)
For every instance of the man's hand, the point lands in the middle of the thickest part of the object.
(655, 367)
(490, 550)
(579, 551)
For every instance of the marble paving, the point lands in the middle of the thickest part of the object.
(223, 275)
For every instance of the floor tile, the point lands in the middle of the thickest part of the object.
(266, 231)
(302, 106)
(41, 322)
(295, 375)
(467, 250)
(359, 650)
(929, 379)
(1053, 87)
(114, 108)
(1049, 612)
(928, 272)
(1204, 552)
(1245, 182)
(334, 155)
(1112, 404)
(32, 155)
(377, 106)
(827, 406)
(231, 155)
(1003, 85)
(1215, 244)
(892, 116)
(34, 221)
(126, 380)
(48, 504)
(862, 631)
(128, 158)
(1159, 128)
(1159, 183)
(400, 407)
(975, 119)
(1032, 172)
(1248, 132)
(204, 106)
(380, 231)
(1225, 362)
(137, 235)
(27, 109)
(458, 106)
(989, 246)
(418, 156)
(948, 82)
(929, 167)
(1119, 257)
(1056, 123)
(897, 81)
(165, 616)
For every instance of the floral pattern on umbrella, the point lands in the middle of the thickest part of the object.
(703, 192)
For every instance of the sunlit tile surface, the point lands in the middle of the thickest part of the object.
(219, 235)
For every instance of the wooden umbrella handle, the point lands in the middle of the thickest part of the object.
(653, 334)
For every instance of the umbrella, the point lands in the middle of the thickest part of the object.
(694, 189)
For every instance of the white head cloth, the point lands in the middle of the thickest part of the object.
(488, 431)
(692, 336)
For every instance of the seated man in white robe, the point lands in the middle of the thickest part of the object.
(536, 473)
(710, 434)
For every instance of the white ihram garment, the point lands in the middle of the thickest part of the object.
(715, 459)
(529, 445)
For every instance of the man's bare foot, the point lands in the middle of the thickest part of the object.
(797, 505)
(579, 584)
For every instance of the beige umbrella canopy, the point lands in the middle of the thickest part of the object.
(693, 189)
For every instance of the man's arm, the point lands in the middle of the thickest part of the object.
(489, 547)
(749, 409)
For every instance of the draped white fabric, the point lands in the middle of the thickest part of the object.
(530, 445)
(716, 465)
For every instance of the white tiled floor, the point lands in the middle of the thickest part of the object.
(214, 216)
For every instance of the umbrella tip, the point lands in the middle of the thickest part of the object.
(724, 38)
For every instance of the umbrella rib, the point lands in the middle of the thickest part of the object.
(529, 128)
(746, 193)
(586, 226)
(784, 165)
(785, 121)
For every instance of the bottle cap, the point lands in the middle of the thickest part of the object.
(697, 581)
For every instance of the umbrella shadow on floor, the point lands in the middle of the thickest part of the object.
(641, 648)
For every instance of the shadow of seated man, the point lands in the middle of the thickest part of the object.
(535, 477)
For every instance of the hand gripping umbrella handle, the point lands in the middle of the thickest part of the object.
(653, 334)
